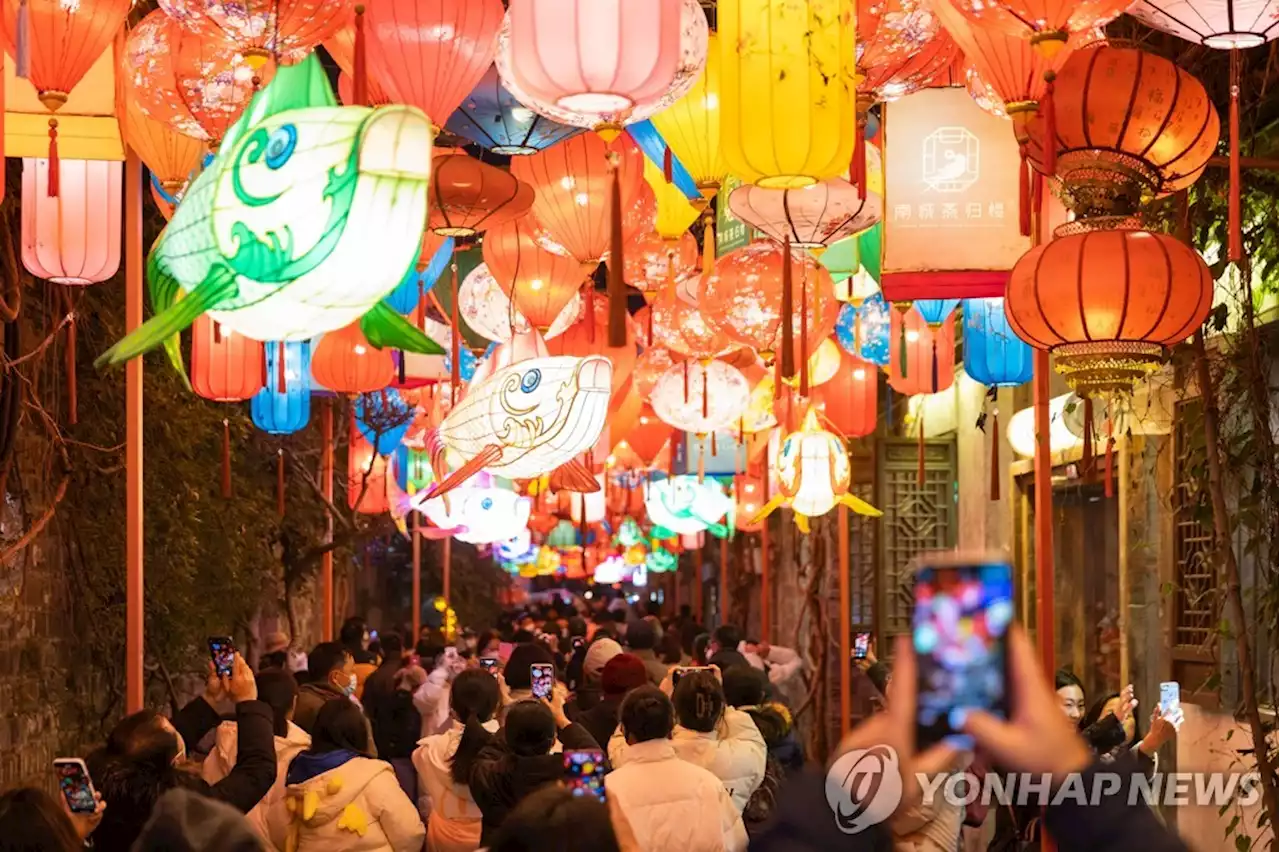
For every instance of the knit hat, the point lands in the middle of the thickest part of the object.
(183, 821)
(622, 674)
(600, 652)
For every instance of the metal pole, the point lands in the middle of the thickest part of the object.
(134, 586)
(1044, 515)
(326, 483)
(417, 578)
(1122, 447)
(846, 652)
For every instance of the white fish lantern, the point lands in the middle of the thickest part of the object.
(682, 506)
(701, 398)
(813, 473)
(479, 513)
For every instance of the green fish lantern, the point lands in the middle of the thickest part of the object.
(308, 216)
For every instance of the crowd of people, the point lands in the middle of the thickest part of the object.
(375, 743)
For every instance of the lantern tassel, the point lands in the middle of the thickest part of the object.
(706, 396)
(787, 357)
(858, 168)
(22, 50)
(280, 483)
(920, 448)
(667, 165)
(1235, 240)
(708, 241)
(226, 459)
(360, 73)
(804, 336)
(72, 406)
(1108, 486)
(401, 366)
(55, 166)
(933, 372)
(649, 324)
(902, 343)
(1086, 453)
(702, 459)
(686, 381)
(1024, 194)
(617, 284)
(995, 454)
(1050, 126)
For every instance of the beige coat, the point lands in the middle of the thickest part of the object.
(356, 807)
(222, 758)
(453, 819)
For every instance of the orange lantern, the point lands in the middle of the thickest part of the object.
(374, 96)
(1107, 302)
(260, 30)
(652, 363)
(847, 403)
(748, 495)
(468, 196)
(540, 283)
(1046, 24)
(588, 337)
(171, 156)
(901, 48)
(225, 366)
(926, 357)
(431, 53)
(73, 238)
(652, 263)
(647, 438)
(366, 475)
(342, 47)
(624, 411)
(683, 328)
(345, 362)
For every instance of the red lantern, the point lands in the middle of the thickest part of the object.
(1046, 24)
(541, 284)
(647, 438)
(748, 492)
(342, 47)
(468, 196)
(650, 366)
(366, 476)
(683, 328)
(591, 338)
(901, 48)
(922, 359)
(345, 362)
(225, 366)
(653, 264)
(848, 402)
(261, 30)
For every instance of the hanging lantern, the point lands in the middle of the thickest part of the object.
(431, 53)
(653, 263)
(72, 237)
(341, 45)
(901, 49)
(674, 211)
(864, 332)
(811, 217)
(647, 438)
(589, 336)
(684, 505)
(748, 495)
(572, 63)
(345, 362)
(366, 476)
(225, 366)
(468, 196)
(759, 416)
(813, 473)
(283, 406)
(1149, 129)
(1108, 302)
(936, 311)
(261, 30)
(1222, 24)
(684, 329)
(433, 259)
(701, 398)
(823, 364)
(993, 355)
(170, 156)
(848, 402)
(924, 357)
(539, 283)
(691, 125)
(1046, 25)
(492, 118)
(854, 264)
(486, 309)
(650, 365)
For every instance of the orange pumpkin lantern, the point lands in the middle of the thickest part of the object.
(468, 196)
(1107, 302)
(345, 362)
(540, 283)
(225, 366)
(926, 357)
(847, 403)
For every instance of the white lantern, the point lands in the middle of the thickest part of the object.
(686, 506)
(484, 307)
(701, 398)
(72, 237)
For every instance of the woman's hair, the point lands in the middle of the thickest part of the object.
(671, 652)
(340, 725)
(273, 660)
(646, 714)
(474, 698)
(1063, 678)
(32, 821)
(486, 639)
(143, 740)
(279, 690)
(745, 686)
(1096, 712)
(516, 670)
(554, 818)
(699, 652)
(529, 729)
(699, 701)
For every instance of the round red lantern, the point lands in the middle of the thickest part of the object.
(650, 365)
(342, 47)
(685, 329)
(345, 362)
(652, 264)
(468, 196)
(540, 283)
(847, 403)
(923, 357)
(1107, 301)
(901, 48)
(225, 366)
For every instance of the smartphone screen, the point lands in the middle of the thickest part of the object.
(1170, 697)
(542, 679)
(577, 642)
(861, 644)
(959, 628)
(223, 651)
(73, 781)
(489, 664)
(584, 773)
(680, 671)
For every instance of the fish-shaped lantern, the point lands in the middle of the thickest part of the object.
(682, 505)
(479, 512)
(813, 473)
(305, 220)
(525, 419)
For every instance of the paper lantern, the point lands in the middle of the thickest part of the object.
(1222, 24)
(684, 329)
(262, 30)
(345, 362)
(653, 263)
(1128, 125)
(283, 406)
(431, 53)
(170, 156)
(936, 311)
(802, 55)
(366, 476)
(674, 212)
(823, 363)
(590, 336)
(484, 307)
(1107, 302)
(308, 216)
(854, 264)
(682, 505)
(648, 436)
(197, 86)
(811, 217)
(759, 415)
(993, 355)
(691, 125)
(864, 332)
(748, 496)
(847, 404)
(923, 358)
(701, 398)
(540, 284)
(813, 472)
(225, 366)
(492, 118)
(480, 512)
(468, 196)
(1045, 24)
(742, 297)
(901, 48)
(341, 45)
(72, 237)
(982, 93)
(557, 70)
(650, 365)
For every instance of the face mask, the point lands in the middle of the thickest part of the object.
(350, 689)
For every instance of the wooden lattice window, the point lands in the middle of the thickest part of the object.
(1195, 573)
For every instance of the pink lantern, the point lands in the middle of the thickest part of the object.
(72, 237)
(814, 216)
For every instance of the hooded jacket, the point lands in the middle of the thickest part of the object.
(451, 814)
(313, 696)
(340, 800)
(222, 758)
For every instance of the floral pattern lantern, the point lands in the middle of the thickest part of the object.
(654, 264)
(902, 47)
(72, 237)
(468, 196)
(684, 329)
(492, 118)
(849, 401)
(485, 308)
(540, 284)
(262, 30)
(812, 217)
(650, 365)
(993, 355)
(225, 366)
(1046, 24)
(864, 332)
(701, 398)
(283, 406)
(924, 356)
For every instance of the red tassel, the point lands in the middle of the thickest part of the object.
(617, 283)
(1108, 486)
(281, 371)
(360, 73)
(713, 434)
(920, 449)
(1235, 239)
(1024, 194)
(858, 168)
(1050, 126)
(455, 339)
(280, 483)
(649, 324)
(706, 397)
(72, 406)
(667, 165)
(55, 166)
(933, 350)
(787, 357)
(226, 459)
(995, 454)
(804, 336)
(1086, 454)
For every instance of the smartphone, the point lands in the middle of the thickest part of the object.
(1170, 697)
(960, 628)
(542, 679)
(584, 773)
(75, 784)
(577, 642)
(223, 651)
(489, 664)
(861, 644)
(680, 671)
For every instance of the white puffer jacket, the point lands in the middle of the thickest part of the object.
(451, 814)
(222, 759)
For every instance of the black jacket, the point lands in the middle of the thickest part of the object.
(398, 726)
(379, 687)
(501, 779)
(602, 719)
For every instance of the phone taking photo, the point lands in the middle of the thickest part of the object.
(75, 784)
(680, 671)
(861, 645)
(542, 680)
(223, 652)
(584, 773)
(960, 630)
(1170, 697)
(489, 664)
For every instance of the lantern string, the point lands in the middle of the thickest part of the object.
(1024, 193)
(920, 446)
(1235, 240)
(401, 366)
(55, 166)
(617, 281)
(1037, 202)
(706, 396)
(280, 482)
(22, 50)
(902, 339)
(226, 458)
(1050, 126)
(360, 74)
(72, 406)
(995, 453)
(804, 331)
(455, 341)
(281, 372)
(787, 355)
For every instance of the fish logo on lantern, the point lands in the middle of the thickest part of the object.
(682, 506)
(813, 474)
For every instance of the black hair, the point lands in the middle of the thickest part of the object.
(1063, 678)
(339, 725)
(577, 626)
(553, 818)
(699, 649)
(33, 821)
(273, 661)
(529, 728)
(653, 608)
(279, 690)
(142, 739)
(641, 636)
(686, 611)
(728, 637)
(516, 670)
(428, 651)
(352, 632)
(619, 616)
(1096, 712)
(324, 659)
(744, 686)
(392, 646)
(522, 636)
(487, 638)
(773, 726)
(699, 701)
(671, 652)
(646, 714)
(474, 698)
(605, 631)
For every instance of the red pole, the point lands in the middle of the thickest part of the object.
(326, 483)
(134, 600)
(1044, 515)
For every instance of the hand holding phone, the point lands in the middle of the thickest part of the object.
(223, 652)
(542, 680)
(75, 785)
(584, 773)
(680, 671)
(861, 644)
(489, 664)
(1170, 698)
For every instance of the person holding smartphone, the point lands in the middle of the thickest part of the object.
(32, 819)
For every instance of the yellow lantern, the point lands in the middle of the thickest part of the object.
(691, 126)
(802, 55)
(675, 213)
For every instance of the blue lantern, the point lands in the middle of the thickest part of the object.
(936, 311)
(492, 118)
(385, 409)
(872, 338)
(284, 405)
(650, 141)
(467, 363)
(404, 299)
(993, 354)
